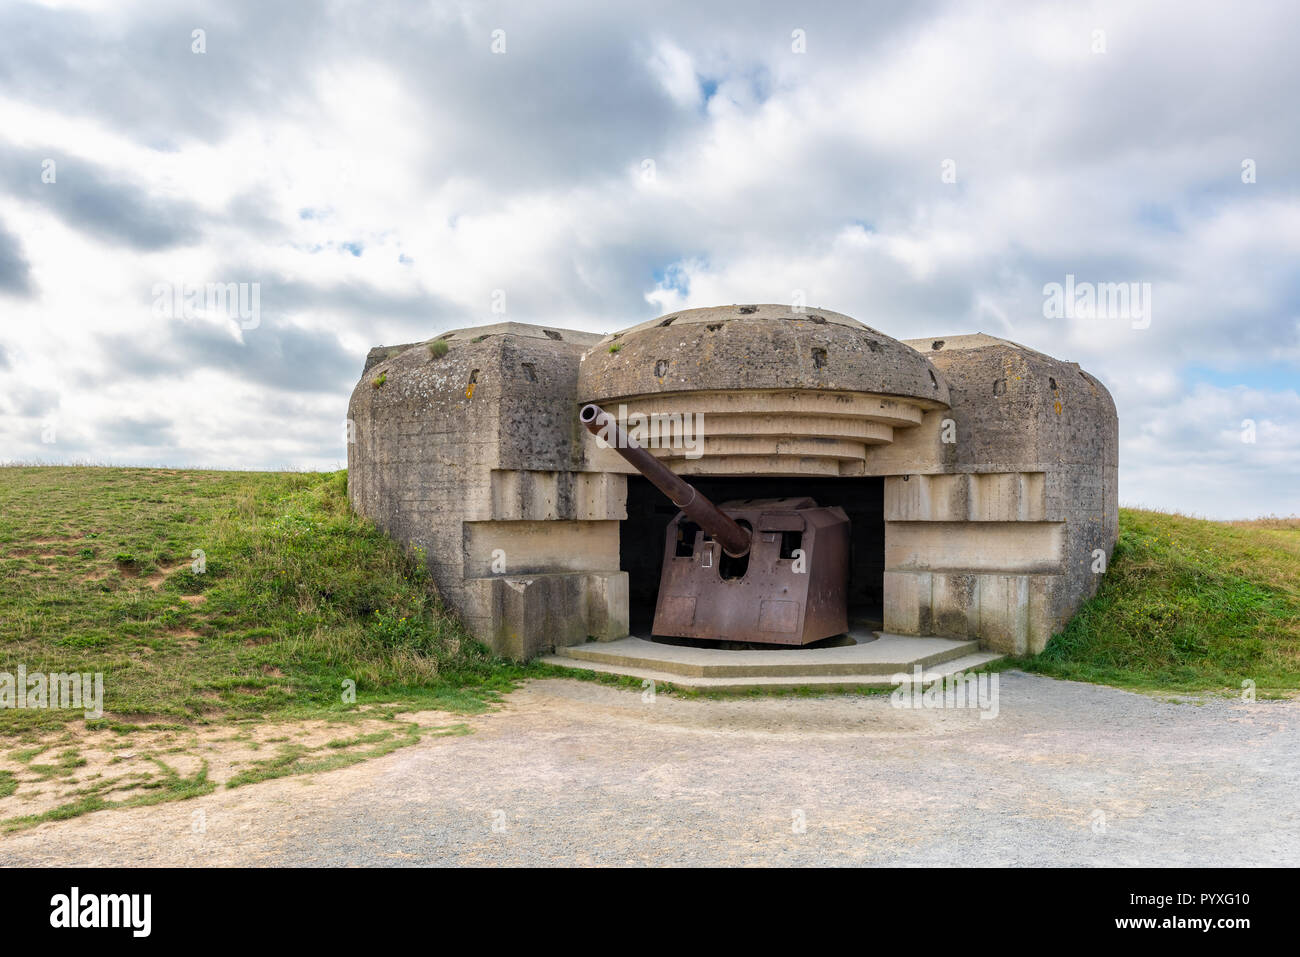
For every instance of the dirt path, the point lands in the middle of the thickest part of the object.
(576, 773)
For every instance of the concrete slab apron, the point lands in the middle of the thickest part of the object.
(872, 661)
(572, 772)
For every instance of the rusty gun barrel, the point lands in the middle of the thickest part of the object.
(733, 539)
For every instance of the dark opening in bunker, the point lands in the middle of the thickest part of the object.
(641, 535)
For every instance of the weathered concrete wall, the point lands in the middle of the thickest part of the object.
(781, 392)
(472, 456)
(756, 347)
(1005, 548)
(999, 463)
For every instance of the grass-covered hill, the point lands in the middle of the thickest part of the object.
(1189, 605)
(295, 596)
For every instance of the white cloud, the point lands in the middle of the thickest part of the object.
(673, 68)
(384, 198)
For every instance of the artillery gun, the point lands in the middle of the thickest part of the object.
(771, 571)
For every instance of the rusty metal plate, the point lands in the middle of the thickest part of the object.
(765, 597)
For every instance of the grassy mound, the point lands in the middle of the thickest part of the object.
(1189, 604)
(202, 595)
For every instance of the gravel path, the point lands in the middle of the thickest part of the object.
(570, 772)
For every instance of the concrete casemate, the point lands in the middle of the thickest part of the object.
(980, 476)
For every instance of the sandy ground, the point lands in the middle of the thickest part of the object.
(66, 765)
(568, 772)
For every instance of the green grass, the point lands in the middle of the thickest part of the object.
(297, 596)
(169, 787)
(1189, 605)
(296, 759)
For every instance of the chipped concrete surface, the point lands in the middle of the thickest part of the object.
(571, 772)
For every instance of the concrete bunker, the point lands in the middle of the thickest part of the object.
(980, 476)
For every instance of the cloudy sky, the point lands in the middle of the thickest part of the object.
(387, 171)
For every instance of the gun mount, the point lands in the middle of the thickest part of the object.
(772, 571)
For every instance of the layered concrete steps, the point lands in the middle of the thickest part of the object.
(866, 664)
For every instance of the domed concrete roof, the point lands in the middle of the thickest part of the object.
(757, 347)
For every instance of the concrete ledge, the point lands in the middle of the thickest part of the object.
(521, 616)
(865, 663)
(968, 662)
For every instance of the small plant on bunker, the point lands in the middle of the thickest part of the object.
(419, 566)
(439, 348)
(615, 347)
(379, 380)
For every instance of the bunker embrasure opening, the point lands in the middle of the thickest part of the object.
(649, 515)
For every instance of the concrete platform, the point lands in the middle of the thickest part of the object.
(870, 663)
